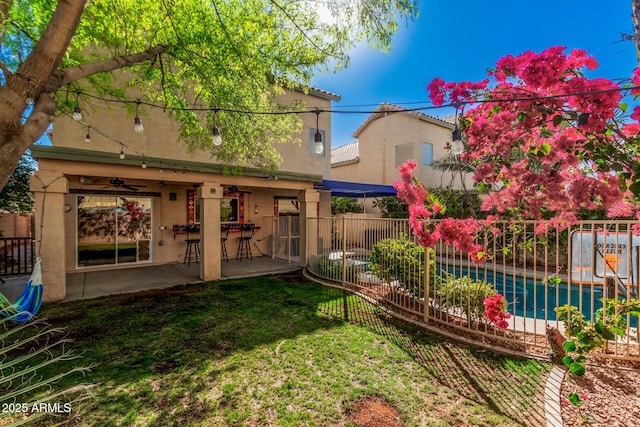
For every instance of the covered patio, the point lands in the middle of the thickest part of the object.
(89, 284)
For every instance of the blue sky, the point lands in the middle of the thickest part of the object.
(459, 39)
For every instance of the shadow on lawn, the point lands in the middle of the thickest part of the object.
(156, 340)
(511, 387)
(154, 349)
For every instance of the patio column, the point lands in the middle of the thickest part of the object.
(50, 187)
(209, 195)
(308, 229)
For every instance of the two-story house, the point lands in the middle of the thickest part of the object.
(120, 198)
(389, 137)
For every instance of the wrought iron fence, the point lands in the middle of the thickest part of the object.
(443, 290)
(16, 255)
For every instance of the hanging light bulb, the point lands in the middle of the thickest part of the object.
(144, 164)
(121, 153)
(77, 113)
(87, 138)
(137, 123)
(318, 145)
(217, 138)
(457, 147)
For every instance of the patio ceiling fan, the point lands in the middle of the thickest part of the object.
(118, 183)
(234, 189)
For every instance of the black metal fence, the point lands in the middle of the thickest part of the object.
(17, 255)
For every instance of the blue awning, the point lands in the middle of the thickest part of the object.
(356, 189)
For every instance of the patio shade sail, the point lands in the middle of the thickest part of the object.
(356, 189)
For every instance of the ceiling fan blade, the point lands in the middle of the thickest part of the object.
(129, 187)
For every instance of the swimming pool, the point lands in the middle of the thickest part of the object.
(531, 298)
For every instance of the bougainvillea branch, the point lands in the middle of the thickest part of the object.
(547, 141)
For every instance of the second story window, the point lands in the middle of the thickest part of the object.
(427, 154)
(317, 149)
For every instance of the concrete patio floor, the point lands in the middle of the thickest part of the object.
(93, 284)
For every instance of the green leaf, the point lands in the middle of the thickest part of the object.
(557, 120)
(546, 148)
(623, 106)
(569, 346)
(574, 398)
(577, 369)
(567, 360)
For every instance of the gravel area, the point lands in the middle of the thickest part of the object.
(611, 398)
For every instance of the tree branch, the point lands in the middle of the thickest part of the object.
(65, 76)
(5, 7)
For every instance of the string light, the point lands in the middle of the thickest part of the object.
(87, 138)
(144, 164)
(137, 123)
(457, 147)
(77, 113)
(217, 139)
(318, 143)
(318, 146)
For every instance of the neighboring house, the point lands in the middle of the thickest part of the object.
(389, 137)
(105, 211)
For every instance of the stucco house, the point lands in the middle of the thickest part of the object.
(386, 139)
(105, 208)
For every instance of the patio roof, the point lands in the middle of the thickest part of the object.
(356, 189)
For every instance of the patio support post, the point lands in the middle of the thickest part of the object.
(210, 195)
(309, 200)
(49, 220)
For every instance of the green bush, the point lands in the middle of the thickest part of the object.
(464, 294)
(401, 260)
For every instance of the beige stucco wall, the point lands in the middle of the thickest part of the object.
(161, 135)
(377, 151)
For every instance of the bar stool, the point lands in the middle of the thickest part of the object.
(223, 243)
(244, 241)
(193, 245)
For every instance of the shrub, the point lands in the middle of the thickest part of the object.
(464, 294)
(401, 260)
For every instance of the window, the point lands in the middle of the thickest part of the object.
(312, 143)
(427, 154)
(113, 230)
(229, 209)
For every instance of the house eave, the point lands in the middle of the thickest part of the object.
(88, 156)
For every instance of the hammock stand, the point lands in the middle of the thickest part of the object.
(30, 300)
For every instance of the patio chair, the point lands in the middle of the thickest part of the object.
(193, 245)
(223, 243)
(247, 231)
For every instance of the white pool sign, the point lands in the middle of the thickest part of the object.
(598, 257)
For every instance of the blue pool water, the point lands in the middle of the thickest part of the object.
(531, 298)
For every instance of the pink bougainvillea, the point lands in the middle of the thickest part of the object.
(495, 309)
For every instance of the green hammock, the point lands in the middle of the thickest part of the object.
(29, 302)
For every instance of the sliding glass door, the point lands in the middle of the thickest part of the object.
(113, 230)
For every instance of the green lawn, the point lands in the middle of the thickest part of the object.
(277, 351)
